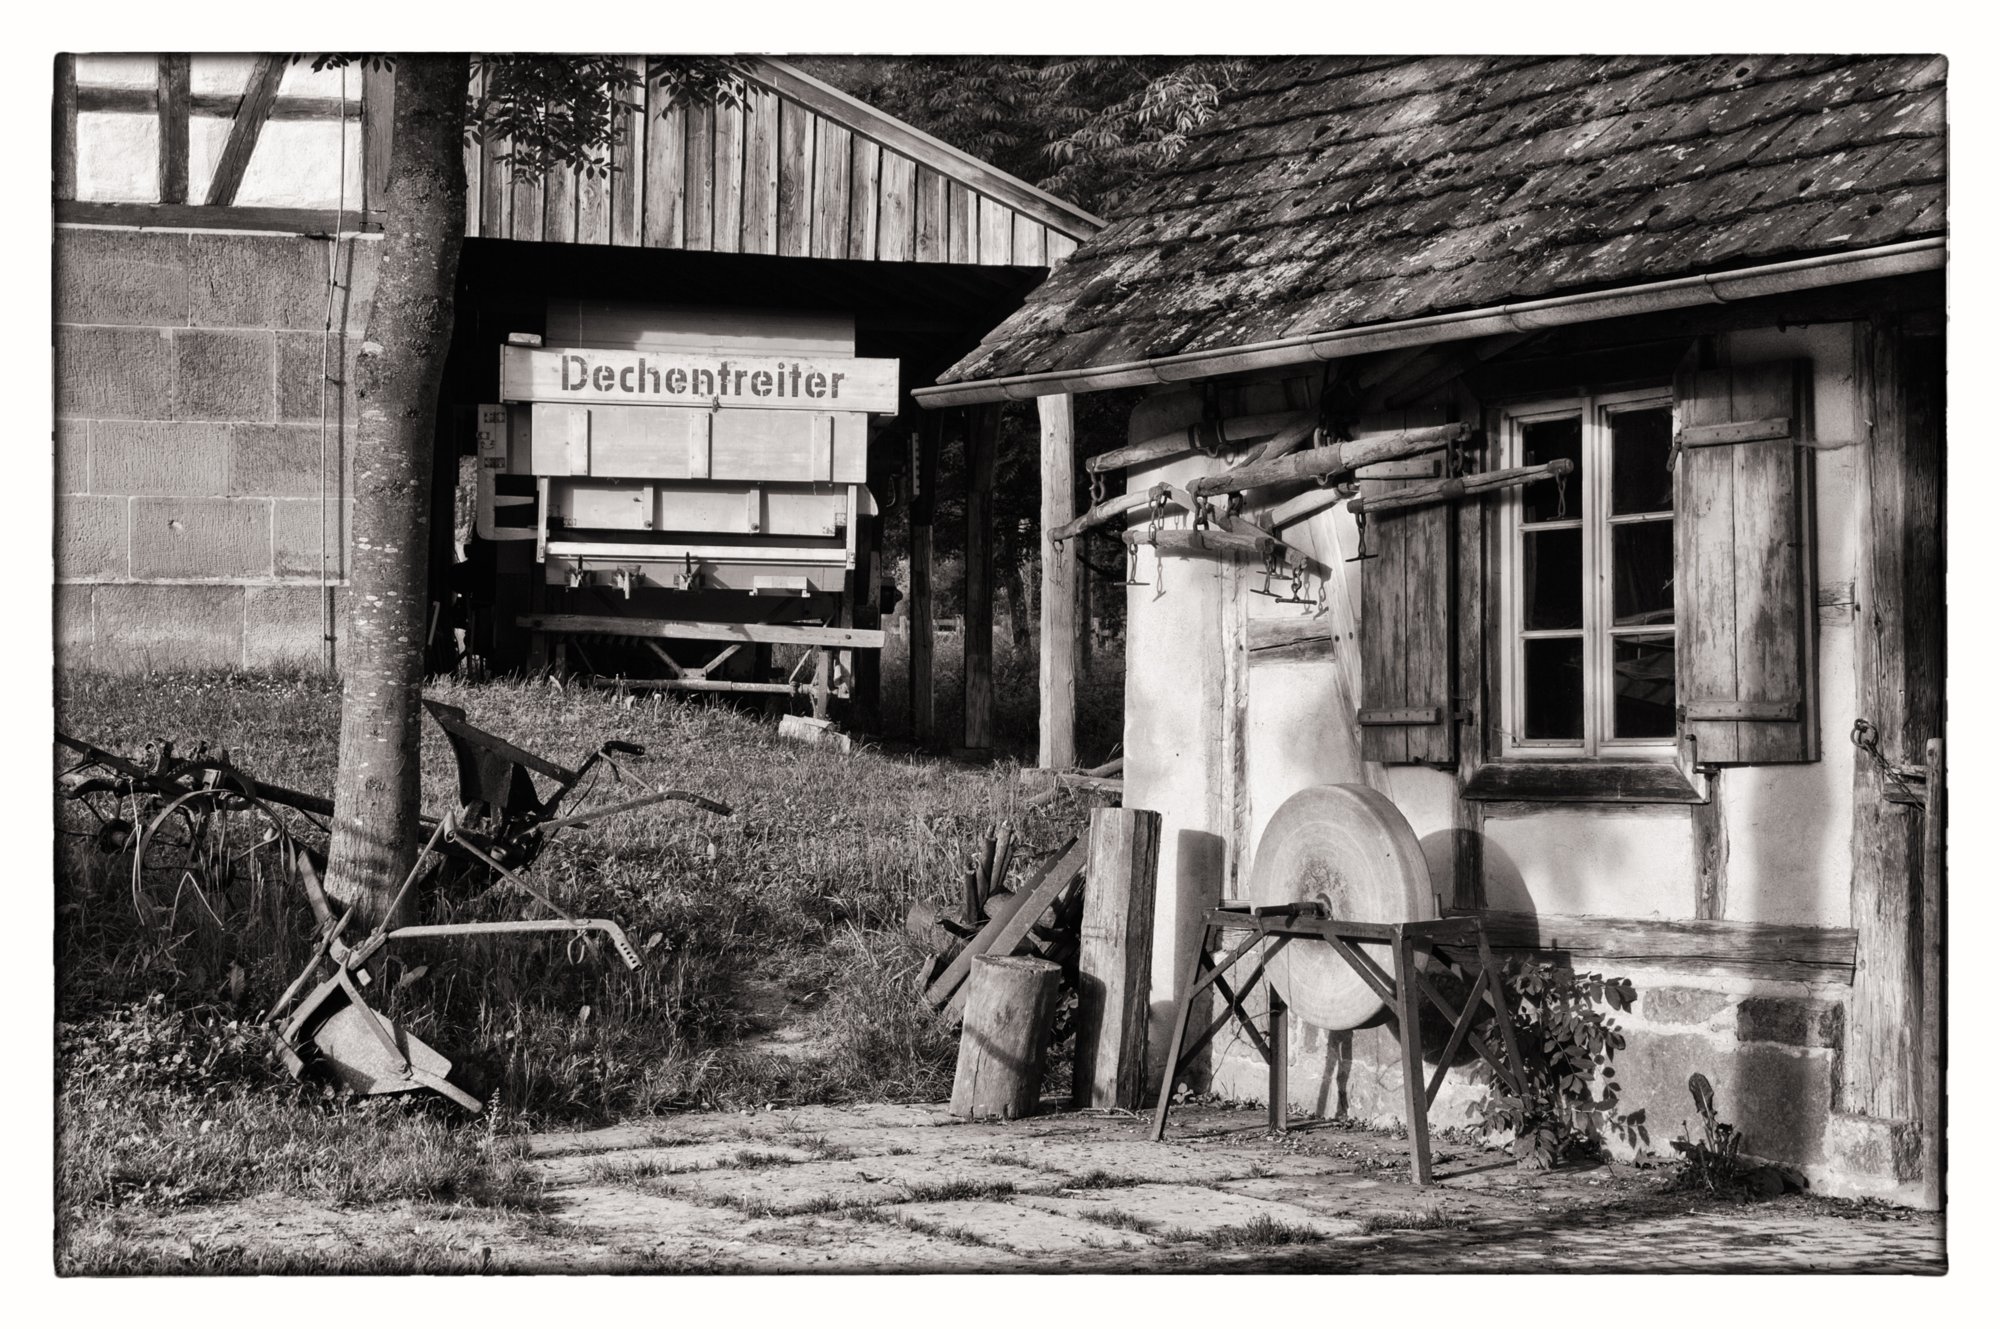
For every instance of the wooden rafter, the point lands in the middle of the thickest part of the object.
(258, 97)
(171, 106)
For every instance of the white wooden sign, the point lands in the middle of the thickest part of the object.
(656, 378)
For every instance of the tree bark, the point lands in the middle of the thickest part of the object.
(399, 371)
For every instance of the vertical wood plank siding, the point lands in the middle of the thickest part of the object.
(628, 169)
(729, 146)
(795, 180)
(865, 181)
(897, 241)
(770, 176)
(699, 211)
(833, 148)
(760, 173)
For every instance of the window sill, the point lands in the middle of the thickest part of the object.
(1581, 782)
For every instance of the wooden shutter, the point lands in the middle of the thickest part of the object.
(1406, 709)
(1743, 571)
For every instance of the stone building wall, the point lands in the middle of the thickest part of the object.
(188, 442)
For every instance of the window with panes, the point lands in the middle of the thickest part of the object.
(1587, 581)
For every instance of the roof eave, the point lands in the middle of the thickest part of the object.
(1900, 259)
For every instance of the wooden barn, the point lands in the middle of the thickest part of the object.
(1555, 447)
(217, 223)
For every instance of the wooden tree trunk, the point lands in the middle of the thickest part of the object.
(1000, 1050)
(375, 835)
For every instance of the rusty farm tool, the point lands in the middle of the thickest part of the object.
(336, 1028)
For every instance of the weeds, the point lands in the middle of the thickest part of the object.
(1120, 1219)
(1429, 1220)
(1260, 1232)
(956, 1188)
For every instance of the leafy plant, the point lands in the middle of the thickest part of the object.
(1711, 1163)
(1567, 1043)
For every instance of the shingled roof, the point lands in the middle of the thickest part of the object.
(1336, 193)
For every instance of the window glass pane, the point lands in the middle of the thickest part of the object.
(1552, 579)
(1641, 442)
(1553, 688)
(1643, 670)
(1544, 441)
(1642, 573)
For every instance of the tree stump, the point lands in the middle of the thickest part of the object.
(1007, 1013)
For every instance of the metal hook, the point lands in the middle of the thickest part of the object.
(1096, 488)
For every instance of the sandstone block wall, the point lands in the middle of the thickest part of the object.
(196, 480)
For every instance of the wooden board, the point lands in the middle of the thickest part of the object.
(1035, 899)
(783, 634)
(719, 509)
(1752, 950)
(676, 443)
(635, 326)
(667, 378)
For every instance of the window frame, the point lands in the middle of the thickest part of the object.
(1593, 501)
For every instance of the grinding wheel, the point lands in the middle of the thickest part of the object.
(1348, 848)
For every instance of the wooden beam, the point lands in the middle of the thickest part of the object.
(146, 101)
(1062, 579)
(1711, 851)
(982, 428)
(1115, 959)
(1711, 947)
(378, 137)
(789, 634)
(924, 444)
(244, 131)
(1899, 664)
(1331, 459)
(202, 216)
(65, 128)
(172, 108)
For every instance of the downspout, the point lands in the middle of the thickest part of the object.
(1523, 316)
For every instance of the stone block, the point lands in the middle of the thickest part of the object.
(364, 264)
(1681, 1005)
(224, 376)
(72, 443)
(90, 537)
(281, 626)
(114, 373)
(160, 627)
(122, 277)
(201, 537)
(257, 281)
(1797, 1021)
(159, 458)
(71, 606)
(1875, 1147)
(295, 525)
(283, 461)
(299, 364)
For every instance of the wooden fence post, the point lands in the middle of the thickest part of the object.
(1012, 1000)
(982, 425)
(1061, 580)
(1115, 959)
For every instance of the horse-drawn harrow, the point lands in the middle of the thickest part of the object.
(194, 825)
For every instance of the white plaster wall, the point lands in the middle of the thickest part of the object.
(296, 164)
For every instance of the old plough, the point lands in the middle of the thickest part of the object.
(194, 824)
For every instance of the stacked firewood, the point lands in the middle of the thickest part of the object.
(1041, 917)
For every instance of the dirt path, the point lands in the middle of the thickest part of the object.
(909, 1189)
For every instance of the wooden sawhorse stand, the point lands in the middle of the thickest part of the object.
(1460, 942)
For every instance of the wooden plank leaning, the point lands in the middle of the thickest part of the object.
(948, 990)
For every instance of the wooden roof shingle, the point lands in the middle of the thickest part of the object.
(1334, 193)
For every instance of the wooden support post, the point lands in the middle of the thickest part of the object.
(1899, 670)
(865, 705)
(1061, 581)
(1711, 851)
(173, 90)
(923, 503)
(1409, 1009)
(378, 113)
(1279, 1092)
(1115, 962)
(65, 128)
(1932, 1033)
(1012, 1000)
(982, 427)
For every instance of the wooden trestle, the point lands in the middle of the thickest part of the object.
(1457, 942)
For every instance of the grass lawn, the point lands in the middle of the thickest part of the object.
(790, 912)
